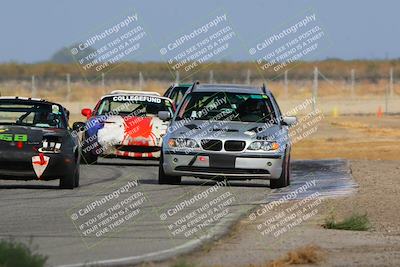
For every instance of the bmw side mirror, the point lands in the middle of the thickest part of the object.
(289, 121)
(164, 115)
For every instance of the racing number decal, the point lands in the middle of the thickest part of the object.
(6, 137)
(14, 138)
(20, 138)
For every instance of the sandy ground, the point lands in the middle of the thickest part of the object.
(378, 247)
(372, 146)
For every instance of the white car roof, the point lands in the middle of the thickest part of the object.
(134, 92)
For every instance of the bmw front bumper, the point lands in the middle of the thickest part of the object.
(238, 166)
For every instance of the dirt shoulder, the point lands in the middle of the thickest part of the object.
(364, 141)
(379, 246)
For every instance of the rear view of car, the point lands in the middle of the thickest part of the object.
(35, 142)
(125, 124)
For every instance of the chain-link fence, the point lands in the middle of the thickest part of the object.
(345, 95)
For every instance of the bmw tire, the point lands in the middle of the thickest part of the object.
(166, 179)
(284, 179)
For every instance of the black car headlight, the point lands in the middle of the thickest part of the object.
(264, 145)
(182, 143)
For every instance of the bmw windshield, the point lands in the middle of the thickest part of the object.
(227, 106)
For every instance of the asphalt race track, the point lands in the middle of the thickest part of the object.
(41, 212)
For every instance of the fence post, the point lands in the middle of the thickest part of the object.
(391, 82)
(386, 99)
(315, 87)
(211, 76)
(33, 93)
(68, 87)
(285, 84)
(102, 79)
(176, 77)
(141, 80)
(248, 76)
(353, 75)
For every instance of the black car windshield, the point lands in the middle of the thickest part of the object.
(42, 115)
(227, 106)
(133, 105)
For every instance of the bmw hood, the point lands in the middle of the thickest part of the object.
(200, 129)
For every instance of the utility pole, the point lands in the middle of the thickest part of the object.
(176, 77)
(68, 87)
(315, 88)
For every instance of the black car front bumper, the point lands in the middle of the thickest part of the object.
(17, 165)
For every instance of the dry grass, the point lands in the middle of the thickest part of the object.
(309, 254)
(353, 137)
(80, 91)
(332, 89)
(368, 129)
(89, 92)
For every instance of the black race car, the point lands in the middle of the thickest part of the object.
(36, 142)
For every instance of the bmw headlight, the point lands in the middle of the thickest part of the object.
(263, 145)
(182, 143)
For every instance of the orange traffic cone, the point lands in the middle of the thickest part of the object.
(379, 113)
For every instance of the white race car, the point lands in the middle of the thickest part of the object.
(125, 124)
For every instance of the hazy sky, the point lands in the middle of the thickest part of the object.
(32, 31)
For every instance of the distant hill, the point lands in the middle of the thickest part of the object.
(65, 56)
